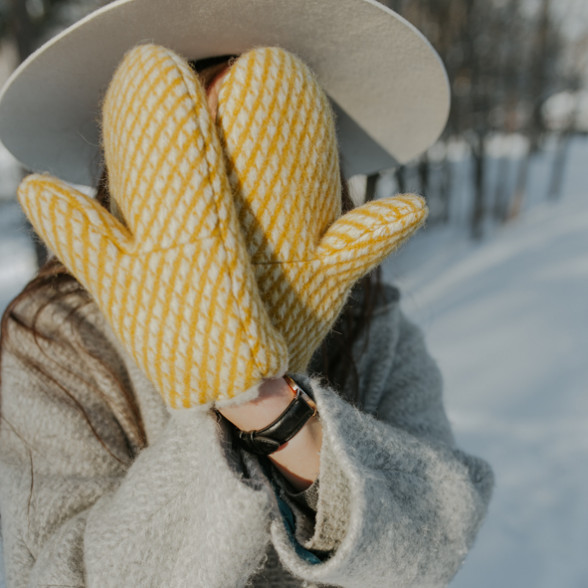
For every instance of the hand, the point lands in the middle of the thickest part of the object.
(176, 282)
(279, 135)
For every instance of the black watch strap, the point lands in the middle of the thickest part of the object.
(269, 439)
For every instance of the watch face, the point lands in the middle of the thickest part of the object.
(299, 390)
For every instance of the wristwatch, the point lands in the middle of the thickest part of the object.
(277, 433)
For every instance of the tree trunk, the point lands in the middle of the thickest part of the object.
(559, 164)
(479, 210)
(424, 174)
(520, 188)
(371, 184)
(500, 191)
(22, 27)
(445, 189)
(400, 175)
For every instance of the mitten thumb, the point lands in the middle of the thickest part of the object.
(82, 234)
(363, 237)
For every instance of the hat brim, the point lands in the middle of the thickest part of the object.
(388, 85)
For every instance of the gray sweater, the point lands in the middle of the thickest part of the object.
(396, 505)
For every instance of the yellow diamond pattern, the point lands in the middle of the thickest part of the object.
(278, 130)
(175, 282)
(234, 259)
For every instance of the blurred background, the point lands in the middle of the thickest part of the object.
(498, 280)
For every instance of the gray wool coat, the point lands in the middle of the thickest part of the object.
(396, 503)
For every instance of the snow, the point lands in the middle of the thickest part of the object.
(507, 321)
(17, 256)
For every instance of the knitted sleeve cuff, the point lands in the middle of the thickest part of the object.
(322, 510)
(333, 504)
(307, 499)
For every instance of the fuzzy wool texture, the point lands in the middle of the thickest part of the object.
(398, 504)
(215, 282)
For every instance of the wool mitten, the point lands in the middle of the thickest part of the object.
(175, 279)
(278, 131)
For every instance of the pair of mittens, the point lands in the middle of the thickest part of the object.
(230, 265)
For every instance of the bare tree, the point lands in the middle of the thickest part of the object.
(503, 59)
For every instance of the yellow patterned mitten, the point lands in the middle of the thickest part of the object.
(176, 282)
(278, 131)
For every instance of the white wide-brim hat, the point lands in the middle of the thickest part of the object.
(388, 85)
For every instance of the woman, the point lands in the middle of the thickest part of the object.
(114, 478)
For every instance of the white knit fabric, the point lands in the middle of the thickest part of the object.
(398, 503)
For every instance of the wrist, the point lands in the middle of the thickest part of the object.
(274, 397)
(283, 403)
(298, 460)
(282, 423)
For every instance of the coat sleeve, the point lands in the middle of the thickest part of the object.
(79, 509)
(398, 504)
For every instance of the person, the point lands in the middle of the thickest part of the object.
(133, 454)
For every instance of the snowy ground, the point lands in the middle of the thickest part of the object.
(507, 320)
